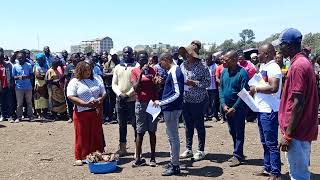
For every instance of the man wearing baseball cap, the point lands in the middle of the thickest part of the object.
(298, 114)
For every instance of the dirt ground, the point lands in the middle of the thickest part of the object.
(45, 151)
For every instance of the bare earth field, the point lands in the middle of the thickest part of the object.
(45, 151)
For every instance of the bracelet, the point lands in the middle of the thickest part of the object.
(286, 137)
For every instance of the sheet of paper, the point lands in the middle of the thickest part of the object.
(154, 111)
(257, 81)
(247, 98)
(186, 88)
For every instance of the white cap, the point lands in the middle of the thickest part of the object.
(254, 55)
(113, 51)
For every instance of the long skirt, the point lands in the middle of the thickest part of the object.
(58, 100)
(88, 133)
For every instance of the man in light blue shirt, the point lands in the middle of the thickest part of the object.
(96, 65)
(23, 74)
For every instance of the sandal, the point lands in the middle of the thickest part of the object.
(78, 163)
(141, 162)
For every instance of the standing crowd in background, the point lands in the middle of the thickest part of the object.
(102, 88)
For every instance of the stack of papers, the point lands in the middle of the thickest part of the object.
(247, 98)
(154, 111)
(257, 81)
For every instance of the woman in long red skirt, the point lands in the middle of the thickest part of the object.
(87, 92)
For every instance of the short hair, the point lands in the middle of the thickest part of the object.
(166, 56)
(80, 69)
(22, 52)
(141, 52)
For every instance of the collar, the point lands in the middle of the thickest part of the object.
(127, 64)
(233, 72)
(270, 62)
(296, 57)
(173, 66)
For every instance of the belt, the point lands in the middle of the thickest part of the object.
(89, 110)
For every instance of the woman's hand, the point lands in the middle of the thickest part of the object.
(99, 101)
(90, 104)
(191, 83)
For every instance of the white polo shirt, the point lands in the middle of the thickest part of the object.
(269, 102)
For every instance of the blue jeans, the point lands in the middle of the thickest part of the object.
(298, 157)
(268, 128)
(7, 97)
(193, 114)
(236, 126)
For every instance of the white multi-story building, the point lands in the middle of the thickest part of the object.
(97, 45)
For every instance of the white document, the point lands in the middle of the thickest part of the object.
(186, 87)
(245, 96)
(257, 81)
(154, 111)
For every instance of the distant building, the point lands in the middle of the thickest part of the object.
(138, 48)
(97, 45)
(160, 46)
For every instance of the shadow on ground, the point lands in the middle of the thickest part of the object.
(2, 126)
(207, 171)
(253, 162)
(187, 169)
(158, 154)
(218, 158)
(313, 176)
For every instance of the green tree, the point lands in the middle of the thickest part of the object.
(87, 49)
(213, 48)
(247, 39)
(228, 45)
(312, 40)
(269, 39)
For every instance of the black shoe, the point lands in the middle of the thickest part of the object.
(173, 170)
(141, 162)
(167, 166)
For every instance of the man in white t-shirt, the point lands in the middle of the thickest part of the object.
(268, 99)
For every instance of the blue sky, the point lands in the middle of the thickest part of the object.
(61, 23)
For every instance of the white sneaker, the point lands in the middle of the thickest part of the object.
(31, 119)
(17, 121)
(186, 154)
(1, 118)
(10, 120)
(200, 155)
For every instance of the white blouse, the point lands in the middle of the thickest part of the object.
(86, 90)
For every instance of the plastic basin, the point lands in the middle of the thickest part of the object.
(102, 167)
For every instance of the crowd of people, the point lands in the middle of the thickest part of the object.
(96, 88)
